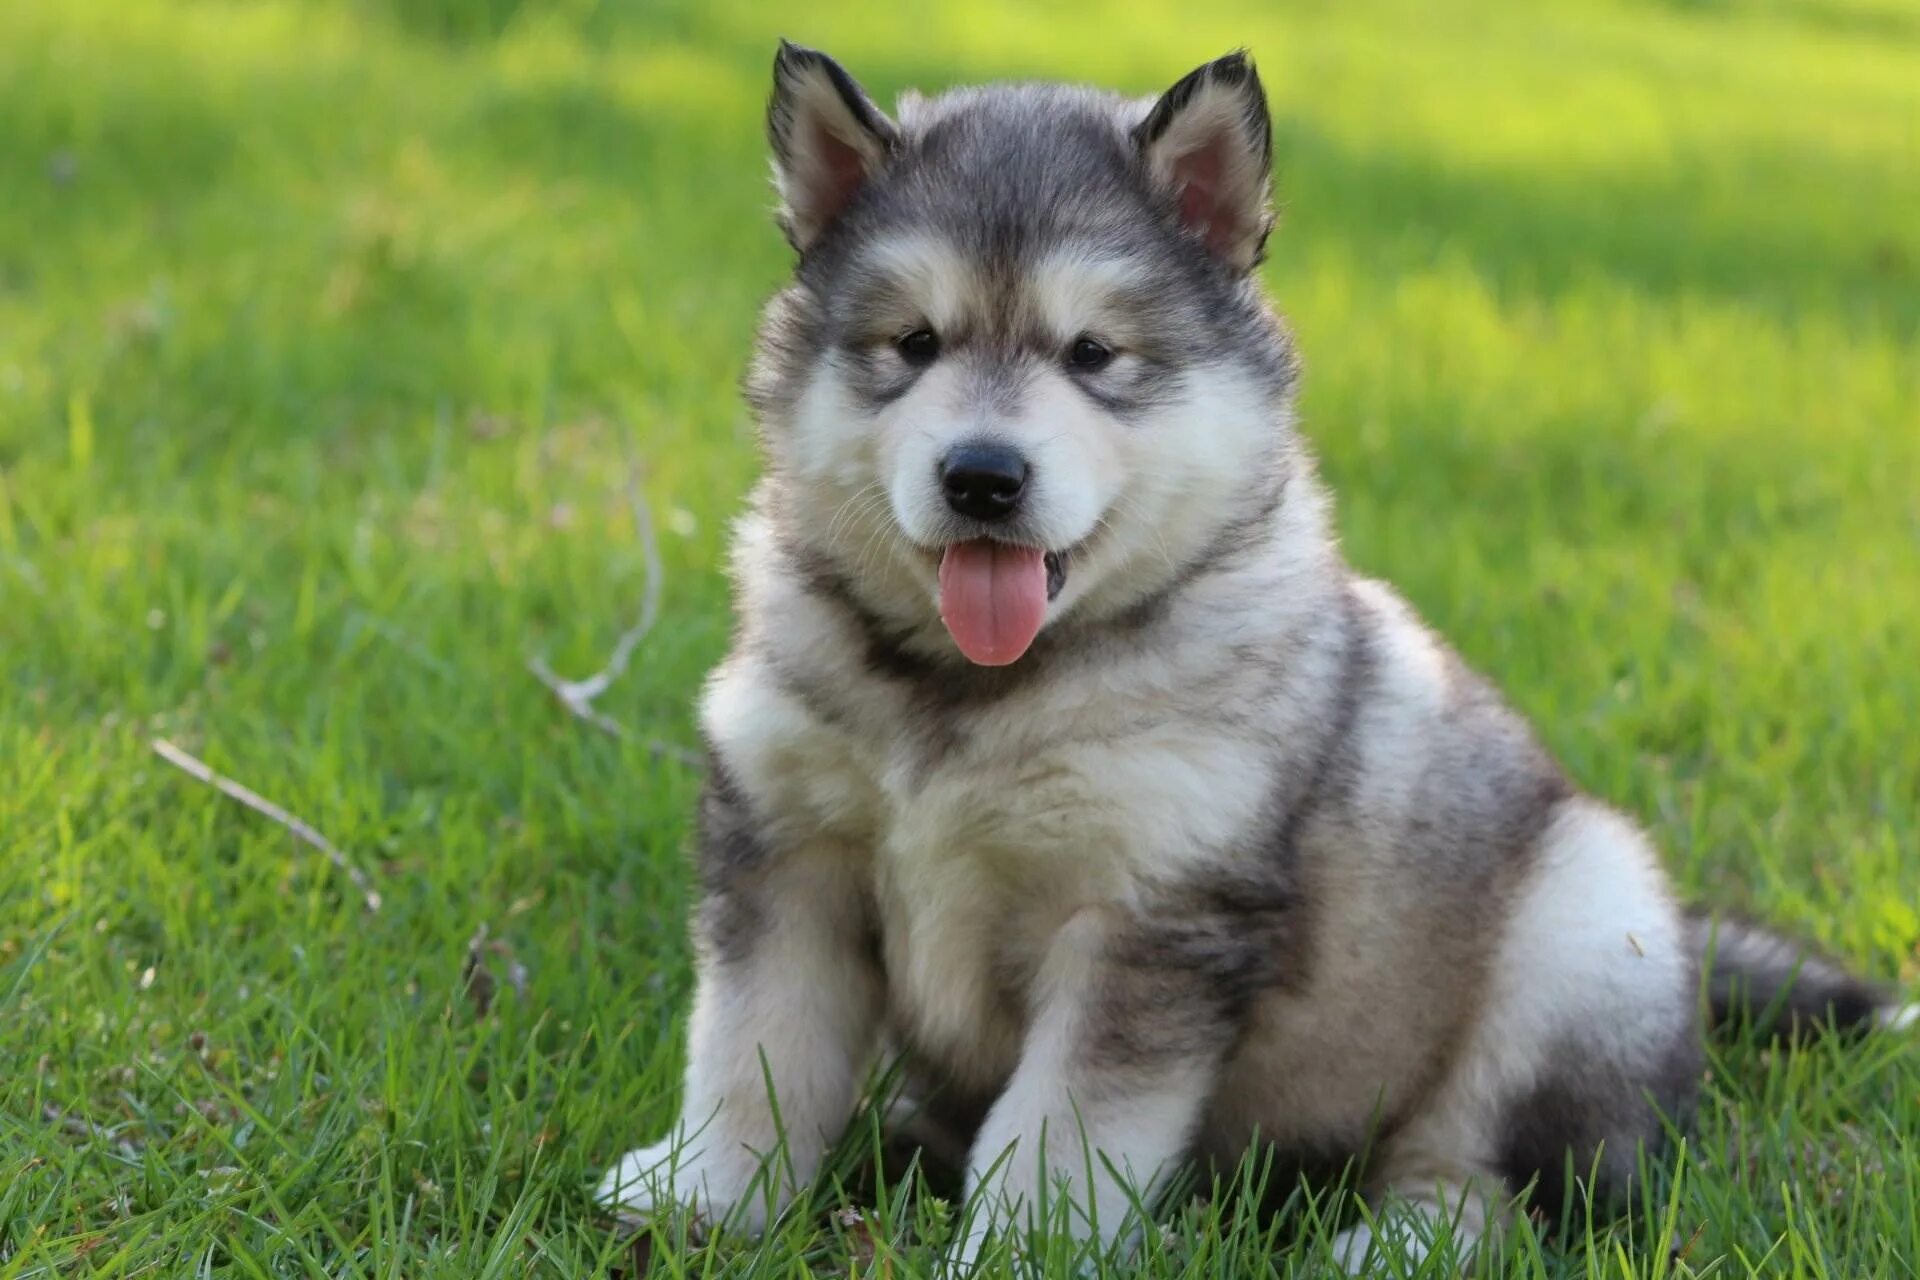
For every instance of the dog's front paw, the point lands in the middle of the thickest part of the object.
(719, 1183)
(1388, 1244)
(1352, 1249)
(988, 1234)
(640, 1183)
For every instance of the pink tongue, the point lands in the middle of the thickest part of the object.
(993, 599)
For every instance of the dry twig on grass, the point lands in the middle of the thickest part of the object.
(266, 808)
(476, 975)
(577, 696)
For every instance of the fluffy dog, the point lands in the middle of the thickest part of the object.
(1059, 751)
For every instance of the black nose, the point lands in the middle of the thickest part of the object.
(983, 481)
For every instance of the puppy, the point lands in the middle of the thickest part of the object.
(1059, 750)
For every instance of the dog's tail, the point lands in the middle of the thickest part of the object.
(1761, 983)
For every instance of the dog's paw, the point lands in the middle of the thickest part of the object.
(963, 1255)
(717, 1184)
(988, 1236)
(640, 1183)
(1366, 1249)
(1352, 1248)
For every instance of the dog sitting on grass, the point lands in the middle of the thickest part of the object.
(1059, 750)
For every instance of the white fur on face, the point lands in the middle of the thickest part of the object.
(1067, 440)
(1221, 431)
(1076, 290)
(835, 456)
(1136, 496)
(937, 285)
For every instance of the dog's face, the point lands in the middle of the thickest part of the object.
(1022, 368)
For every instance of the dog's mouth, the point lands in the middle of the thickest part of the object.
(994, 596)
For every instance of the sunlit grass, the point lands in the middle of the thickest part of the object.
(327, 332)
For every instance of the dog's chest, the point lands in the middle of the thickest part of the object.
(978, 853)
(974, 871)
(979, 861)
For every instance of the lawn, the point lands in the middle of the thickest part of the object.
(336, 338)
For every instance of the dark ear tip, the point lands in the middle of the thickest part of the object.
(792, 57)
(1233, 68)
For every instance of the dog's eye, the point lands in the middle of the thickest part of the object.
(920, 348)
(1088, 354)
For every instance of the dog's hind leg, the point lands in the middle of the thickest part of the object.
(1585, 1043)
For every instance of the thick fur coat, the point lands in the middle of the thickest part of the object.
(1235, 845)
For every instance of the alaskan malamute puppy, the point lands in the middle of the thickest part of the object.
(1059, 752)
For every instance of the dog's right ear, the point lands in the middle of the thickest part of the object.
(828, 138)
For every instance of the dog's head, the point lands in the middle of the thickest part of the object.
(1023, 368)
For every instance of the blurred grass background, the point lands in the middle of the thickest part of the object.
(331, 332)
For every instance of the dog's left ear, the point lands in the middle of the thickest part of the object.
(827, 136)
(1209, 143)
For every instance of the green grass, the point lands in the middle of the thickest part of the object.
(327, 332)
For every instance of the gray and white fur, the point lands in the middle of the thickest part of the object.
(1238, 847)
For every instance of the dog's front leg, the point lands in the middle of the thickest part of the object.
(785, 1012)
(1119, 1061)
